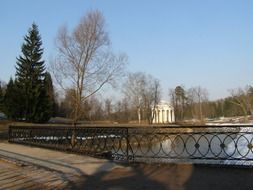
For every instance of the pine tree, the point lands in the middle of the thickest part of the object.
(47, 98)
(13, 101)
(30, 75)
(51, 93)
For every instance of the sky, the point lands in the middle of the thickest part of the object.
(207, 43)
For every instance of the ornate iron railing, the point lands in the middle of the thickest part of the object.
(197, 144)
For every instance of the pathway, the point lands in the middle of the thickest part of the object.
(25, 167)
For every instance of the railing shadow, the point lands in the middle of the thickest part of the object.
(140, 176)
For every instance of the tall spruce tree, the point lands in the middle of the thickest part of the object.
(30, 76)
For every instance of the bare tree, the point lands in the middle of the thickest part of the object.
(133, 90)
(154, 98)
(243, 98)
(96, 112)
(196, 97)
(85, 62)
(144, 92)
(108, 108)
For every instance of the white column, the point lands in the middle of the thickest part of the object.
(160, 116)
(164, 116)
(167, 116)
(172, 116)
(139, 115)
(156, 117)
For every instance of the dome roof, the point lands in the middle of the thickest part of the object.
(164, 105)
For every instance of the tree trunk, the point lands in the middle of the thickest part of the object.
(139, 115)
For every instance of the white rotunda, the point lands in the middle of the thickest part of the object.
(163, 113)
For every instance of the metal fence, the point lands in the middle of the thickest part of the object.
(196, 144)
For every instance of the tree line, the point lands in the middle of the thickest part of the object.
(193, 103)
(140, 92)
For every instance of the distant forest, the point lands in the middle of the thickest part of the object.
(189, 104)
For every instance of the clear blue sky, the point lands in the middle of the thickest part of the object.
(180, 42)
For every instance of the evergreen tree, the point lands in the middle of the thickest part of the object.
(48, 101)
(30, 76)
(13, 102)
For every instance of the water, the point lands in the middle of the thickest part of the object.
(214, 148)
